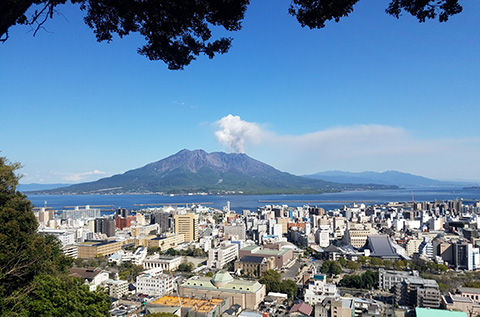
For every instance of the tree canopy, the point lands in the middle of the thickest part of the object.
(274, 283)
(33, 269)
(177, 31)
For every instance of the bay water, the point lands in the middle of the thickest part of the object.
(328, 201)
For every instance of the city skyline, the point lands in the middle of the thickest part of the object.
(368, 93)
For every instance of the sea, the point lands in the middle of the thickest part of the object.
(238, 203)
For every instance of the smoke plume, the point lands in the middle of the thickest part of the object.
(235, 133)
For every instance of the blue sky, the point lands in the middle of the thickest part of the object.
(368, 93)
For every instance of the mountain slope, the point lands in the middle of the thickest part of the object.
(199, 171)
(384, 178)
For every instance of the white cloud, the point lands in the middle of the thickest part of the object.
(354, 148)
(77, 177)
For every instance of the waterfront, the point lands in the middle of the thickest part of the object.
(252, 202)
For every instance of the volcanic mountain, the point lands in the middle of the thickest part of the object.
(201, 172)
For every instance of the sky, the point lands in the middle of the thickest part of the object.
(370, 93)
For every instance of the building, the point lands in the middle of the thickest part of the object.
(356, 235)
(81, 213)
(92, 277)
(139, 231)
(465, 256)
(460, 303)
(188, 225)
(301, 309)
(247, 294)
(470, 292)
(196, 307)
(236, 232)
(163, 219)
(65, 237)
(165, 242)
(317, 290)
(387, 279)
(93, 249)
(154, 284)
(122, 223)
(282, 256)
(105, 226)
(348, 307)
(381, 246)
(219, 257)
(418, 292)
(422, 312)
(122, 212)
(254, 265)
(116, 288)
(162, 262)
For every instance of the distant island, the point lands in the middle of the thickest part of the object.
(199, 172)
(383, 178)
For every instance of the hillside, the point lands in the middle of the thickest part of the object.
(384, 178)
(213, 173)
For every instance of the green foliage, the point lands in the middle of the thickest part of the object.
(352, 265)
(342, 262)
(129, 272)
(331, 268)
(366, 280)
(474, 284)
(33, 278)
(271, 279)
(273, 283)
(289, 287)
(152, 250)
(67, 296)
(176, 32)
(209, 274)
(218, 217)
(197, 252)
(172, 252)
(186, 267)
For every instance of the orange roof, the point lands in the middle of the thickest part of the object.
(198, 305)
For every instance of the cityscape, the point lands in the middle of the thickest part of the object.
(200, 260)
(239, 158)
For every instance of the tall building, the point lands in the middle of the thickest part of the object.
(122, 212)
(106, 226)
(163, 219)
(188, 225)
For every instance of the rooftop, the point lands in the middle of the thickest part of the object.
(198, 305)
(428, 312)
(236, 285)
(252, 259)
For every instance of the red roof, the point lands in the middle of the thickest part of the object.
(302, 308)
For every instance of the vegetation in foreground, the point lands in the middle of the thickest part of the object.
(33, 270)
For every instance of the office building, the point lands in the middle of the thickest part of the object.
(219, 257)
(187, 225)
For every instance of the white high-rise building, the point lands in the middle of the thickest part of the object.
(154, 284)
(218, 257)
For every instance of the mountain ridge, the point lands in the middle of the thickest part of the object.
(390, 177)
(213, 173)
